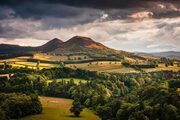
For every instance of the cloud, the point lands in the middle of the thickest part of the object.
(38, 9)
(78, 3)
(148, 35)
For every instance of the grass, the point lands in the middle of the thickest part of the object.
(22, 62)
(42, 56)
(104, 66)
(163, 67)
(32, 65)
(76, 80)
(58, 109)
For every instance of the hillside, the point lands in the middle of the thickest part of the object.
(7, 48)
(169, 54)
(80, 44)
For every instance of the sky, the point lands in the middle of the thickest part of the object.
(130, 25)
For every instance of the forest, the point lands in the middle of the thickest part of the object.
(112, 96)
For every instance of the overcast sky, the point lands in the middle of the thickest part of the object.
(121, 24)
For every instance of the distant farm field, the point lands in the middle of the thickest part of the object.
(76, 80)
(103, 66)
(163, 67)
(51, 57)
(58, 109)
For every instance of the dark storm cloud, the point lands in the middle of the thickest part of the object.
(79, 3)
(38, 11)
(86, 3)
(15, 21)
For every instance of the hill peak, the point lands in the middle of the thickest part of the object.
(51, 45)
(55, 40)
(80, 39)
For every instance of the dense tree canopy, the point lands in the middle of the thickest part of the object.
(133, 96)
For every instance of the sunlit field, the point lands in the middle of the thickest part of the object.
(163, 67)
(22, 62)
(51, 57)
(103, 66)
(58, 109)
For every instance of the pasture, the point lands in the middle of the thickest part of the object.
(163, 67)
(103, 66)
(51, 57)
(76, 80)
(22, 62)
(58, 109)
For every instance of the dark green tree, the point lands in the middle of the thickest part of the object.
(76, 108)
(38, 65)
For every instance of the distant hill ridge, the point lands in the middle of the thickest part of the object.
(77, 45)
(168, 54)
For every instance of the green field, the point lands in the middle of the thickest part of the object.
(22, 62)
(43, 56)
(103, 66)
(58, 109)
(76, 80)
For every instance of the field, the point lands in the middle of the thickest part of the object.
(163, 67)
(100, 66)
(58, 109)
(103, 66)
(22, 62)
(76, 80)
(49, 57)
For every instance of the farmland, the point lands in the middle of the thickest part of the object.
(103, 66)
(76, 81)
(58, 109)
(100, 66)
(22, 62)
(51, 57)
